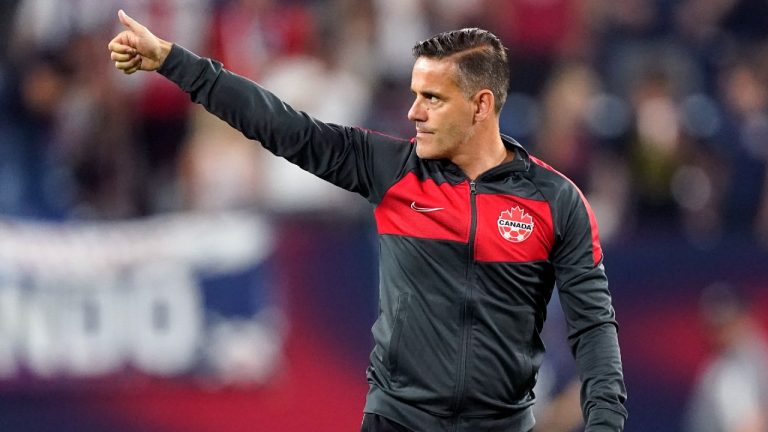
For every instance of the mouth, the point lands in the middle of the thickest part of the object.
(422, 130)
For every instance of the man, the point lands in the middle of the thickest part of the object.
(474, 233)
(731, 391)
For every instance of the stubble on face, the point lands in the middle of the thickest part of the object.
(441, 112)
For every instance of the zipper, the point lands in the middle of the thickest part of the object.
(466, 313)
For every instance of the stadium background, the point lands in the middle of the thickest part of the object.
(160, 273)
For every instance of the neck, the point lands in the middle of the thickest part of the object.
(484, 151)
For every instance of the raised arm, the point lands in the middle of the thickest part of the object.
(349, 157)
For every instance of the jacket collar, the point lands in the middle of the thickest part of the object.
(521, 163)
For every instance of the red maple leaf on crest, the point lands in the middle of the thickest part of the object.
(517, 214)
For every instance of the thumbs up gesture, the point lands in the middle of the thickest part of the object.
(136, 48)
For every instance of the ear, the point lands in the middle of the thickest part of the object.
(484, 102)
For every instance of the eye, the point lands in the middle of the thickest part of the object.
(434, 99)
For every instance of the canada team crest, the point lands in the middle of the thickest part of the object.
(515, 224)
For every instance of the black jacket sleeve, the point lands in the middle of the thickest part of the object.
(351, 158)
(586, 302)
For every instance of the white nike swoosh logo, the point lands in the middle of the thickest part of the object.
(414, 207)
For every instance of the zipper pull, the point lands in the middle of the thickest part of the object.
(472, 187)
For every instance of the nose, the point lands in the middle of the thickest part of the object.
(417, 113)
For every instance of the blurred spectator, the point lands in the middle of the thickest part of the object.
(743, 139)
(558, 407)
(563, 137)
(656, 148)
(162, 112)
(561, 413)
(219, 168)
(746, 20)
(94, 137)
(538, 34)
(247, 35)
(731, 394)
(443, 15)
(34, 162)
(398, 24)
(6, 28)
(315, 81)
(576, 120)
(353, 43)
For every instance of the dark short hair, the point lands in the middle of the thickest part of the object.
(480, 56)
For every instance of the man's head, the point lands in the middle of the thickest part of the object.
(459, 82)
(725, 315)
(480, 57)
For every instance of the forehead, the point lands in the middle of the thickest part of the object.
(430, 73)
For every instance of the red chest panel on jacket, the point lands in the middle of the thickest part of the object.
(425, 209)
(508, 228)
(512, 229)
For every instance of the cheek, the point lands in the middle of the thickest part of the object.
(459, 119)
(457, 130)
(435, 146)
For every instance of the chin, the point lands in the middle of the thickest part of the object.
(424, 152)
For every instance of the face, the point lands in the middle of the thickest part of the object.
(444, 116)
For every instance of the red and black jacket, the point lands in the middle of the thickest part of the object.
(466, 267)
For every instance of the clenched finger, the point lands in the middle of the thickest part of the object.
(133, 63)
(118, 57)
(134, 68)
(116, 46)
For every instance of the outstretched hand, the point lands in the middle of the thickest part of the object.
(136, 48)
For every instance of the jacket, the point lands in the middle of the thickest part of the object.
(466, 267)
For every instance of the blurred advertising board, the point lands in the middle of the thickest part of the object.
(172, 296)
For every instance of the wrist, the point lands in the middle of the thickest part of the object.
(165, 49)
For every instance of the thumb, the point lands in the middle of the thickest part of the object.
(128, 22)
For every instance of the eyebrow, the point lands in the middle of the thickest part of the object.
(428, 93)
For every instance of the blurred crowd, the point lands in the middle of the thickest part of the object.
(731, 390)
(657, 109)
